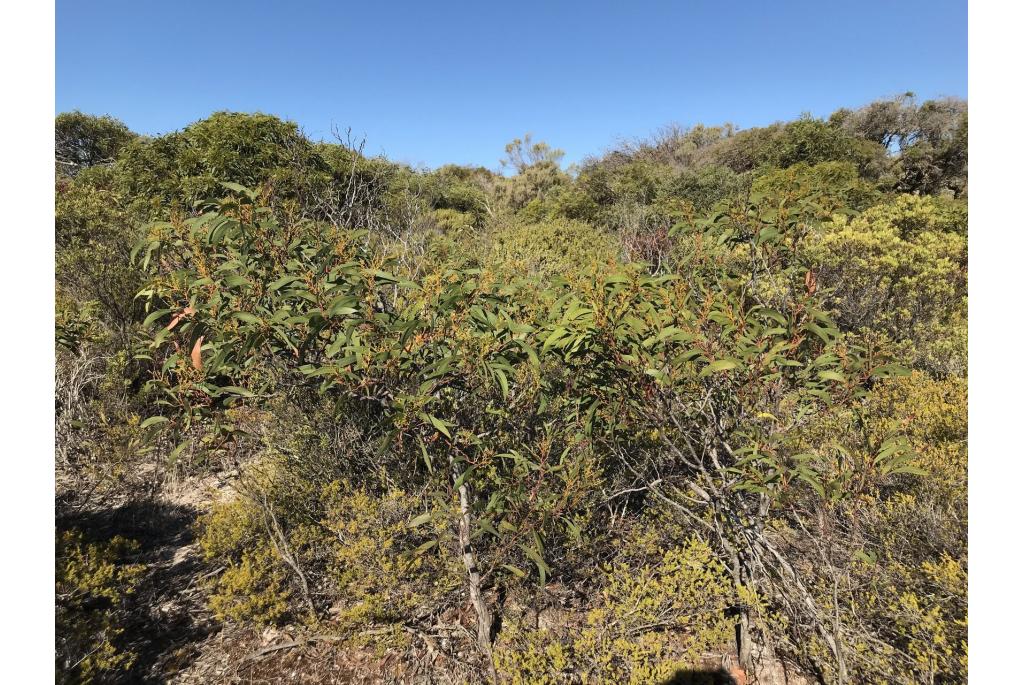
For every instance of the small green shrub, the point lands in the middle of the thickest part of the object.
(562, 248)
(254, 585)
(652, 619)
(93, 583)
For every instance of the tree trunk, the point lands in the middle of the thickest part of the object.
(744, 653)
(483, 615)
(743, 650)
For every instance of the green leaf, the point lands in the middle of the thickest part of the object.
(811, 480)
(826, 334)
(515, 570)
(502, 381)
(236, 187)
(437, 423)
(425, 547)
(767, 233)
(720, 365)
(282, 282)
(542, 568)
(235, 390)
(462, 478)
(426, 457)
(889, 370)
(553, 338)
(236, 281)
(154, 421)
(176, 452)
(154, 316)
(866, 556)
(246, 317)
(420, 520)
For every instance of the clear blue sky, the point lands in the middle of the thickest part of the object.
(453, 81)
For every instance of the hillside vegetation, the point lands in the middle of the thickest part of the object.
(695, 405)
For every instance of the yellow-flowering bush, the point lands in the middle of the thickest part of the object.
(93, 582)
(361, 561)
(382, 570)
(652, 619)
(901, 268)
(902, 542)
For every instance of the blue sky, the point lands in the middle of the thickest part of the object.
(435, 82)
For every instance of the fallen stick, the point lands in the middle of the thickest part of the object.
(291, 644)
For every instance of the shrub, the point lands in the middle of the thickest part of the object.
(82, 141)
(557, 248)
(835, 185)
(93, 582)
(652, 619)
(360, 562)
(900, 268)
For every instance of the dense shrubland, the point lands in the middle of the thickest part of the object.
(704, 392)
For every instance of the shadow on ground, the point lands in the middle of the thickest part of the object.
(167, 619)
(717, 676)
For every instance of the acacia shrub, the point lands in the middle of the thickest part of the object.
(93, 583)
(900, 268)
(556, 248)
(649, 621)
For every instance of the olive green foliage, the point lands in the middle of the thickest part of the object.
(464, 190)
(94, 240)
(556, 248)
(522, 153)
(807, 140)
(707, 385)
(835, 185)
(413, 353)
(931, 139)
(705, 187)
(180, 169)
(93, 580)
(82, 141)
(292, 539)
(531, 188)
(649, 621)
(906, 552)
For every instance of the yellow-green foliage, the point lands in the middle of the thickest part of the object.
(930, 413)
(99, 433)
(932, 624)
(345, 368)
(834, 185)
(909, 567)
(254, 585)
(254, 588)
(451, 233)
(901, 268)
(924, 550)
(92, 584)
(565, 248)
(376, 573)
(933, 415)
(452, 221)
(75, 322)
(362, 559)
(94, 237)
(534, 183)
(651, 620)
(915, 596)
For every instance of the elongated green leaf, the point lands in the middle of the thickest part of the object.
(420, 520)
(437, 423)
